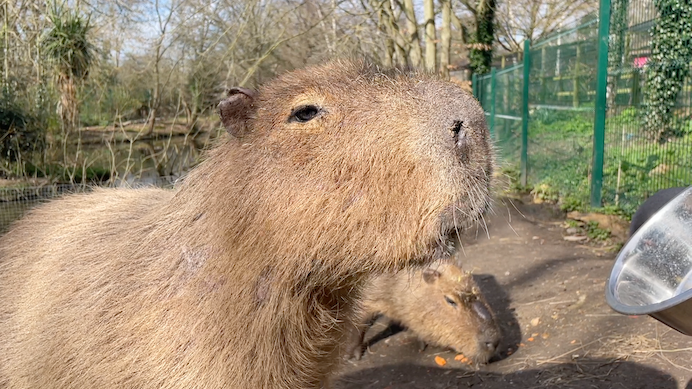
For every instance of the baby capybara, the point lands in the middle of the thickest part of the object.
(246, 274)
(441, 304)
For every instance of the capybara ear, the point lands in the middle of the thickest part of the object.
(430, 275)
(236, 109)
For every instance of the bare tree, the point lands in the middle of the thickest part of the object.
(415, 52)
(164, 16)
(520, 19)
(430, 36)
(445, 37)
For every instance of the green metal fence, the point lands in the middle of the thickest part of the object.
(600, 126)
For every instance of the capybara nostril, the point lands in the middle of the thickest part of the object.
(492, 346)
(461, 140)
(457, 130)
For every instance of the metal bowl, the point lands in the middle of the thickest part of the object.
(652, 274)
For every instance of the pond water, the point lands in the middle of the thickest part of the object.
(158, 162)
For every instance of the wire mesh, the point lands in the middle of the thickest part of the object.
(562, 87)
(15, 202)
(643, 156)
(648, 146)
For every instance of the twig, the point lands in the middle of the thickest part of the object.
(568, 352)
(537, 302)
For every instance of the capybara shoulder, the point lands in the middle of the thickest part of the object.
(247, 274)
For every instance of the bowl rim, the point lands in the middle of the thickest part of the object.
(611, 283)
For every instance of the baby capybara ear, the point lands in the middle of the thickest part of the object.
(236, 109)
(431, 275)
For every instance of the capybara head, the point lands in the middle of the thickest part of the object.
(457, 316)
(348, 161)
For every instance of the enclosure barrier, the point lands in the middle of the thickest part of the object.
(16, 201)
(599, 114)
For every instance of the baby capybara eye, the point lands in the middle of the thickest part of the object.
(304, 113)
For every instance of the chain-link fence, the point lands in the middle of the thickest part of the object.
(16, 201)
(648, 132)
(641, 142)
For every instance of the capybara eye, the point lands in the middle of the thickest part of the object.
(451, 302)
(304, 113)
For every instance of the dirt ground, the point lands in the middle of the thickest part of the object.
(559, 332)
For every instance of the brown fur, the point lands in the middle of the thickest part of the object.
(418, 301)
(245, 276)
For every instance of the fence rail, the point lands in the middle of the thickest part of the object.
(599, 114)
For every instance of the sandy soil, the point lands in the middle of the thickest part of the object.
(559, 332)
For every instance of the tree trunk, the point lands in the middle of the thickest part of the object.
(68, 103)
(445, 38)
(481, 53)
(430, 36)
(394, 32)
(389, 51)
(413, 41)
(6, 50)
(394, 40)
(156, 92)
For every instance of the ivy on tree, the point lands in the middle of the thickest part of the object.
(481, 46)
(668, 66)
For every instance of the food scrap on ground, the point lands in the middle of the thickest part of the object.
(440, 361)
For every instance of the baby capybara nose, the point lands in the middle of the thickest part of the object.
(492, 346)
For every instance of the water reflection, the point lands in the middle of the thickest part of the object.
(158, 162)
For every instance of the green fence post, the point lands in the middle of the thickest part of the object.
(493, 90)
(525, 115)
(600, 110)
(474, 86)
(575, 78)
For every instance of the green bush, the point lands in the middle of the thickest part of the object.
(21, 133)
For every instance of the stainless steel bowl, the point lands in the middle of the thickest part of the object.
(652, 274)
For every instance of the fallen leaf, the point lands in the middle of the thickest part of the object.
(440, 361)
(530, 339)
(535, 321)
(459, 357)
(545, 336)
(573, 342)
(522, 345)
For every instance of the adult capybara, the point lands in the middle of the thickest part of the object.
(246, 274)
(441, 304)
(652, 205)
